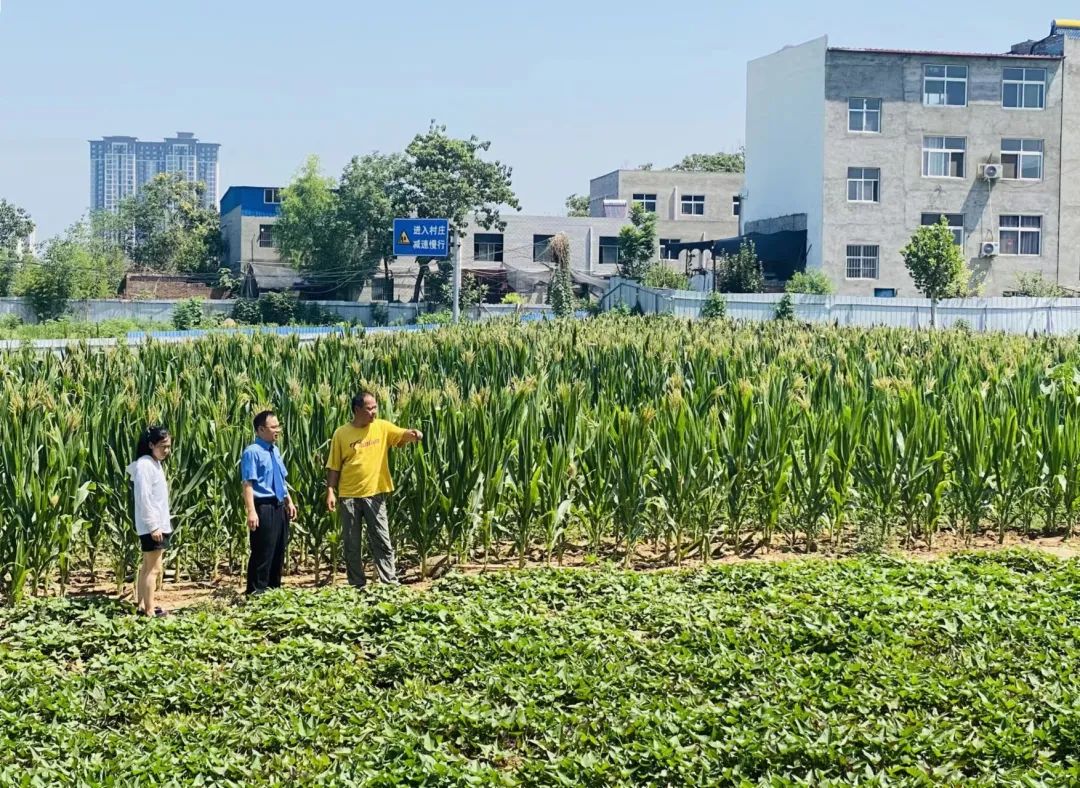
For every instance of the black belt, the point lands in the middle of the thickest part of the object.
(268, 502)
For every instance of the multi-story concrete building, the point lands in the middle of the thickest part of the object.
(860, 147)
(120, 166)
(688, 205)
(248, 215)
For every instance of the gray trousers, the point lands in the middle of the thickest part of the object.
(356, 514)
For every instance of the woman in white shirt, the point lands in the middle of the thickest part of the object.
(152, 521)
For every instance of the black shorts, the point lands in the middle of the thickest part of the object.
(149, 545)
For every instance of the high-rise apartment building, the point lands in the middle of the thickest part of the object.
(120, 166)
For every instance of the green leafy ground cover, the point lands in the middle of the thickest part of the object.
(872, 671)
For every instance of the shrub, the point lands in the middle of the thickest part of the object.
(442, 317)
(664, 277)
(380, 314)
(785, 308)
(188, 314)
(246, 311)
(1033, 285)
(741, 272)
(715, 307)
(810, 282)
(277, 308)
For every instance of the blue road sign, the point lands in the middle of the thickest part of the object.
(421, 237)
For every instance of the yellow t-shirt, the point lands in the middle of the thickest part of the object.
(361, 455)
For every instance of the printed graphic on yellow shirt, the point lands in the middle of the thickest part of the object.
(361, 454)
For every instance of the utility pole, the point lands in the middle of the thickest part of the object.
(457, 277)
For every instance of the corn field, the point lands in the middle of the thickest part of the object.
(599, 436)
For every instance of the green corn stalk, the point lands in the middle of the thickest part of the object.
(972, 460)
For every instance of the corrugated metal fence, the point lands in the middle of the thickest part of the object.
(97, 311)
(303, 333)
(1011, 315)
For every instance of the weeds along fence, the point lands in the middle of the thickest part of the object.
(1013, 315)
(695, 437)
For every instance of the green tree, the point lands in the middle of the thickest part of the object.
(446, 177)
(166, 227)
(439, 290)
(307, 232)
(577, 205)
(369, 196)
(713, 162)
(79, 264)
(810, 282)
(936, 264)
(560, 288)
(637, 243)
(15, 225)
(741, 272)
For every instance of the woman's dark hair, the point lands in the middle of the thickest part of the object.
(151, 436)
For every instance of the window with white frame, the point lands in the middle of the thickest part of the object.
(943, 157)
(945, 86)
(862, 261)
(272, 196)
(736, 205)
(1023, 88)
(1022, 160)
(863, 184)
(864, 115)
(955, 220)
(488, 247)
(693, 204)
(609, 249)
(646, 201)
(1020, 235)
(666, 253)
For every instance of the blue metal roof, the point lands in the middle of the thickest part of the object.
(250, 199)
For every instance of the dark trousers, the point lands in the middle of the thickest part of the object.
(268, 543)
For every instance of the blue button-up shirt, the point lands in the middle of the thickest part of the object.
(261, 465)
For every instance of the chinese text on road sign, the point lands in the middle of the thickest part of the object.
(421, 237)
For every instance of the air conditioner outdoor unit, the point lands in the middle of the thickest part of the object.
(991, 172)
(988, 249)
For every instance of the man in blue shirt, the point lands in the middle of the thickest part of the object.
(269, 506)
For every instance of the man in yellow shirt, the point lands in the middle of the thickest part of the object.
(358, 467)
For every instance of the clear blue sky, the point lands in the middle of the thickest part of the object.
(564, 90)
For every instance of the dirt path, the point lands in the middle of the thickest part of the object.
(229, 588)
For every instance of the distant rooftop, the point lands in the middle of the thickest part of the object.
(934, 53)
(1049, 48)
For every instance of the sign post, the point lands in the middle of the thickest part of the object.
(457, 278)
(418, 237)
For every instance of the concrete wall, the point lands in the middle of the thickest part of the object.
(718, 188)
(905, 194)
(785, 126)
(241, 234)
(606, 187)
(1068, 250)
